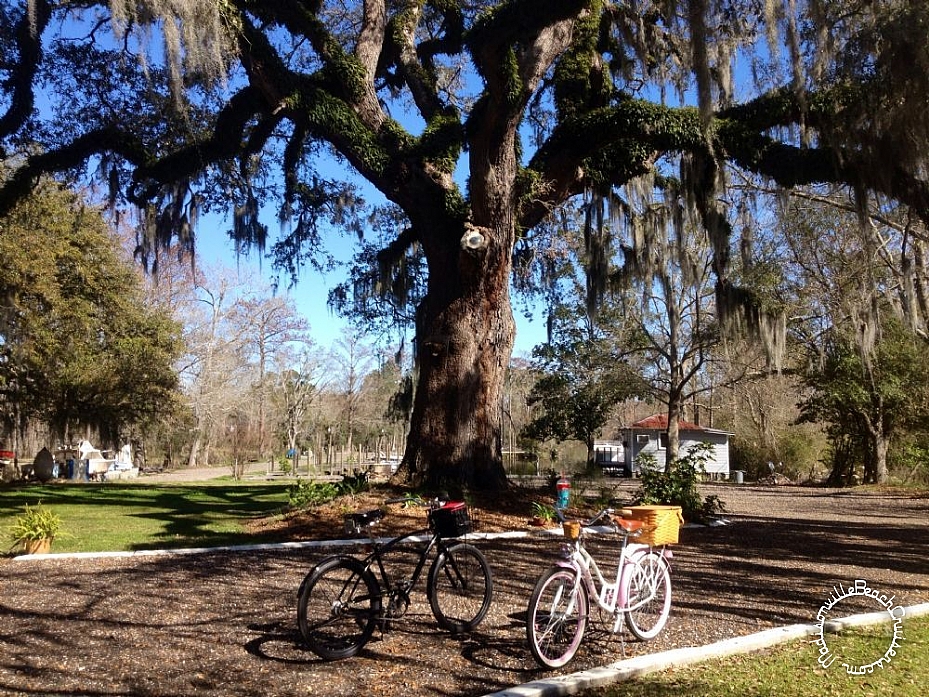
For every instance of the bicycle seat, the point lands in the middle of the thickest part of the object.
(363, 519)
(628, 524)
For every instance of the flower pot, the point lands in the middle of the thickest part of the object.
(42, 546)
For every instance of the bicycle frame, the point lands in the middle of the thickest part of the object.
(381, 549)
(609, 596)
(345, 597)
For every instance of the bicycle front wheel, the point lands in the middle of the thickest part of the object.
(338, 607)
(460, 588)
(557, 617)
(648, 596)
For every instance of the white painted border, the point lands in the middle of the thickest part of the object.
(308, 544)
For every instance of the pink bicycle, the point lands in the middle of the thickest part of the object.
(639, 593)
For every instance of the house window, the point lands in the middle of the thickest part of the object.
(663, 440)
(642, 439)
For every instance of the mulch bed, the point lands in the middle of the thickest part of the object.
(223, 623)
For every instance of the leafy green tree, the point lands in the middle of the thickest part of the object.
(867, 401)
(581, 378)
(541, 101)
(80, 346)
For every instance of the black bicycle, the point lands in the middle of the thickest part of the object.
(344, 599)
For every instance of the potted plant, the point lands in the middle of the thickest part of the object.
(542, 514)
(35, 528)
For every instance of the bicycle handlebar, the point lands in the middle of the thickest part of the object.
(605, 513)
(419, 501)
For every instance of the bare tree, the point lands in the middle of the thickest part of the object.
(298, 381)
(265, 324)
(353, 359)
(674, 307)
(213, 374)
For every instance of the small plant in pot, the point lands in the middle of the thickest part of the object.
(542, 514)
(35, 528)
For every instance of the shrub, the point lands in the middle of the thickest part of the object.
(543, 511)
(305, 492)
(678, 487)
(352, 484)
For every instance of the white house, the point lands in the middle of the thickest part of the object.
(650, 435)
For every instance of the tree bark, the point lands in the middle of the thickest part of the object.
(875, 470)
(674, 434)
(465, 334)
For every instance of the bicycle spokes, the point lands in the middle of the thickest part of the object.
(557, 617)
(648, 597)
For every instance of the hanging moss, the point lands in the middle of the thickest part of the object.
(743, 314)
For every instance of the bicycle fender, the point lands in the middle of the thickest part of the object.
(635, 551)
(312, 571)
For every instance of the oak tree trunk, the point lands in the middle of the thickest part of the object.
(465, 334)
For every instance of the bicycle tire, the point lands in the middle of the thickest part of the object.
(557, 617)
(338, 607)
(649, 577)
(460, 588)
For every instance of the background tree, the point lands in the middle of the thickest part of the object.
(298, 380)
(213, 376)
(565, 96)
(667, 270)
(80, 349)
(582, 377)
(266, 324)
(353, 360)
(868, 404)
(861, 295)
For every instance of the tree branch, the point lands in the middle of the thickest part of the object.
(28, 40)
(108, 139)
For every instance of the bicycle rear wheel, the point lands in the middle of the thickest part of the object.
(557, 617)
(460, 588)
(338, 607)
(648, 592)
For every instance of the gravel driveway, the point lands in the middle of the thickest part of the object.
(222, 623)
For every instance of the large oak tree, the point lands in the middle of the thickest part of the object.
(538, 101)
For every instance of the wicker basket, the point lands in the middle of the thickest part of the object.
(572, 529)
(662, 523)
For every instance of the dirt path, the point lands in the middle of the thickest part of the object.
(222, 624)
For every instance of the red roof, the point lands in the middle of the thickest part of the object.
(659, 422)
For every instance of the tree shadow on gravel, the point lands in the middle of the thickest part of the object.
(782, 571)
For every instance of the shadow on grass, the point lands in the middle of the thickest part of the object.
(137, 516)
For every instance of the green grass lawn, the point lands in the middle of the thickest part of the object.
(792, 669)
(121, 516)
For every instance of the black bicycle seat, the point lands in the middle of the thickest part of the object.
(364, 519)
